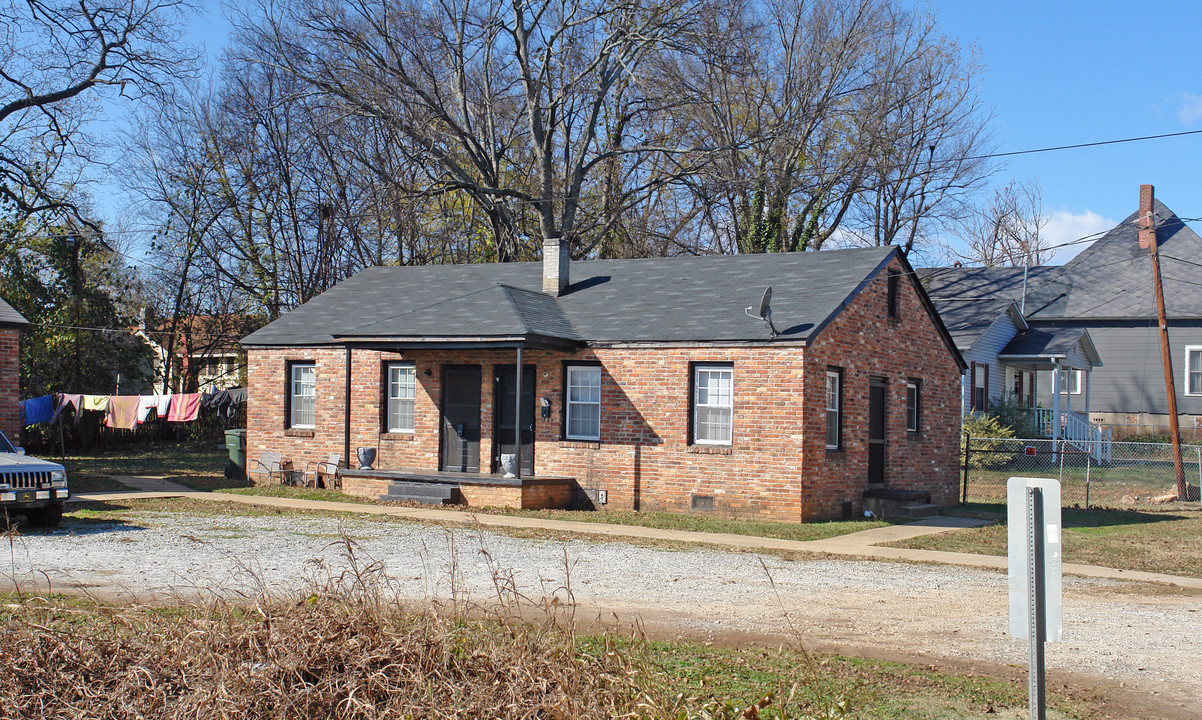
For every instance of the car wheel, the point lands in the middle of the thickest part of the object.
(45, 517)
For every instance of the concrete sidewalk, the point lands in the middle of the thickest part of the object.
(860, 544)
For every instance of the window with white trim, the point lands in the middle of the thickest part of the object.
(1193, 370)
(583, 412)
(302, 396)
(834, 411)
(913, 404)
(1071, 381)
(402, 394)
(713, 404)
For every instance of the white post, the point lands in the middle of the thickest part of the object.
(1070, 373)
(1087, 374)
(1055, 404)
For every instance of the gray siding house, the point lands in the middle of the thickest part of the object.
(1105, 297)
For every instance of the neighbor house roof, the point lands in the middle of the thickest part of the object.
(8, 316)
(1050, 342)
(1112, 279)
(651, 300)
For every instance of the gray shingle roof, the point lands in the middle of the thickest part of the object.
(1113, 277)
(679, 299)
(1048, 341)
(8, 316)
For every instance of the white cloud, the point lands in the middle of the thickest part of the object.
(1190, 111)
(1065, 227)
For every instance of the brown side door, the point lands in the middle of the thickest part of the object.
(461, 418)
(877, 431)
(503, 434)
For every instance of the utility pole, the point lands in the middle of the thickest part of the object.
(1147, 234)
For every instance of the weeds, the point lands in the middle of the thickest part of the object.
(341, 645)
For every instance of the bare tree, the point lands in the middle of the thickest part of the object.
(928, 140)
(505, 102)
(53, 56)
(1008, 230)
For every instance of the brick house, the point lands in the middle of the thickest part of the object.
(11, 325)
(647, 384)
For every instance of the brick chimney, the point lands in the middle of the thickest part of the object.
(1147, 224)
(555, 265)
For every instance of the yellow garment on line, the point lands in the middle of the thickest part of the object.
(96, 402)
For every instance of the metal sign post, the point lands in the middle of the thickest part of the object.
(1033, 516)
(1036, 604)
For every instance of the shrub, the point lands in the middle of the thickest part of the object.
(989, 442)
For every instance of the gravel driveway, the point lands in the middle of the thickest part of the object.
(1143, 637)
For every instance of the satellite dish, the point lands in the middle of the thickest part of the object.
(765, 310)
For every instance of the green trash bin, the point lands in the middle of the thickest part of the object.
(235, 443)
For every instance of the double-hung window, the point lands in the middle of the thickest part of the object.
(302, 395)
(913, 405)
(583, 412)
(402, 387)
(834, 409)
(1193, 370)
(713, 404)
(1071, 381)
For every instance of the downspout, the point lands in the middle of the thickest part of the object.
(346, 412)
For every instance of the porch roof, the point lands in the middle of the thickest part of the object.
(1039, 345)
(497, 315)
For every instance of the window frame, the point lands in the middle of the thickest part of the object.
(290, 395)
(914, 409)
(566, 423)
(695, 369)
(1066, 382)
(835, 373)
(983, 405)
(1192, 349)
(389, 367)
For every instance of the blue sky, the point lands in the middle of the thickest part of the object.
(1061, 73)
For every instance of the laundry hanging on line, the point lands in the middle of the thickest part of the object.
(37, 410)
(128, 411)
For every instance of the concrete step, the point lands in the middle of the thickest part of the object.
(917, 510)
(422, 492)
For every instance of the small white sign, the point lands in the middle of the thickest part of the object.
(1016, 519)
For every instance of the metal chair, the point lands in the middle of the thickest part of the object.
(319, 469)
(272, 464)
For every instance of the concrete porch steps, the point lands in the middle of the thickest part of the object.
(429, 493)
(891, 504)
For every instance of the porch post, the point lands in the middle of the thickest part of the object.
(1087, 374)
(1055, 403)
(1070, 372)
(517, 417)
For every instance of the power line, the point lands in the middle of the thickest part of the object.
(1084, 145)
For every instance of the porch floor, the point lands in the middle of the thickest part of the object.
(453, 478)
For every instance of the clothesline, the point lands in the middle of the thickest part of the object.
(129, 411)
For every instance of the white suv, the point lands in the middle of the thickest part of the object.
(34, 487)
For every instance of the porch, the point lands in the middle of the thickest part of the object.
(533, 492)
(1069, 356)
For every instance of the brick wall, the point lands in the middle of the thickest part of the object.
(645, 460)
(865, 342)
(10, 384)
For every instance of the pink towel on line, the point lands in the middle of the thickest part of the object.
(185, 407)
(122, 412)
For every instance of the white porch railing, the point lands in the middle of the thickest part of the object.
(1077, 431)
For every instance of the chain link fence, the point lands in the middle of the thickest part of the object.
(1132, 473)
